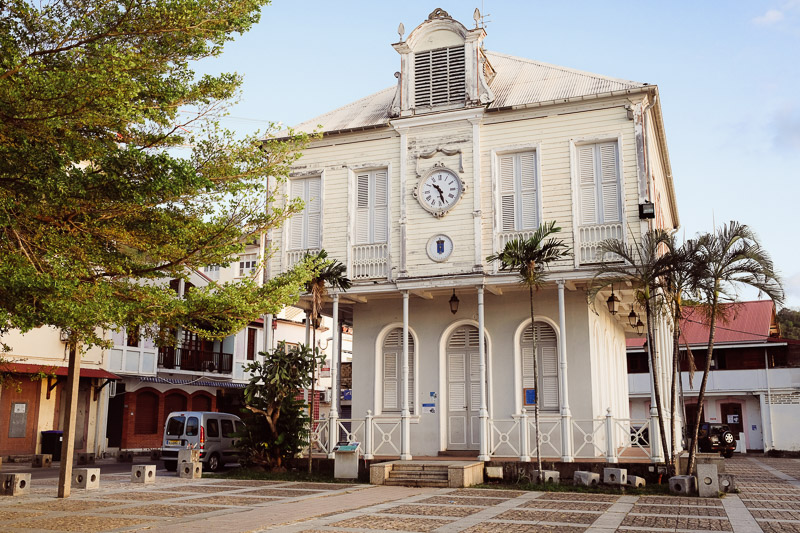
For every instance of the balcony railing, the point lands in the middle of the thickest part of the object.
(590, 237)
(508, 236)
(295, 256)
(370, 261)
(195, 360)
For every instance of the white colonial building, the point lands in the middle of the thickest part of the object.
(414, 186)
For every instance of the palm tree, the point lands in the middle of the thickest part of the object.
(729, 257)
(644, 264)
(326, 273)
(530, 258)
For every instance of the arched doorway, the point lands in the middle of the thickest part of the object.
(463, 389)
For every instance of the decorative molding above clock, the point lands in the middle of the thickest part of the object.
(439, 190)
(444, 150)
(439, 247)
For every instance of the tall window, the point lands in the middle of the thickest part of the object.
(247, 264)
(304, 227)
(547, 355)
(598, 174)
(393, 370)
(251, 343)
(519, 207)
(372, 210)
(439, 77)
(212, 271)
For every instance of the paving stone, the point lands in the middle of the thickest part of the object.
(431, 510)
(776, 514)
(281, 493)
(392, 523)
(321, 486)
(231, 499)
(505, 527)
(139, 496)
(780, 527)
(455, 500)
(172, 510)
(248, 483)
(678, 510)
(707, 524)
(650, 522)
(65, 505)
(492, 493)
(8, 514)
(539, 503)
(679, 500)
(766, 504)
(548, 516)
(89, 524)
(584, 497)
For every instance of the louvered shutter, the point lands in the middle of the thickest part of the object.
(457, 393)
(507, 204)
(313, 208)
(587, 185)
(527, 181)
(362, 209)
(549, 358)
(439, 76)
(609, 182)
(392, 370)
(547, 352)
(296, 223)
(390, 381)
(410, 372)
(380, 219)
(527, 359)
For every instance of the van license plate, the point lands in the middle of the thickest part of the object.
(174, 442)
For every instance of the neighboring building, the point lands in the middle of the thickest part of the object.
(414, 186)
(29, 406)
(754, 384)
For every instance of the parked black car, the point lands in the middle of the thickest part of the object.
(716, 438)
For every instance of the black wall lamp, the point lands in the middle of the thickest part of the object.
(647, 210)
(454, 303)
(613, 302)
(632, 318)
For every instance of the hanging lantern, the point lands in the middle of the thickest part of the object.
(613, 302)
(639, 327)
(454, 303)
(632, 318)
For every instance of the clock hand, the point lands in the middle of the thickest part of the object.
(439, 190)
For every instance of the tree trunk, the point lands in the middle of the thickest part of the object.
(656, 385)
(676, 335)
(702, 394)
(537, 392)
(313, 382)
(70, 419)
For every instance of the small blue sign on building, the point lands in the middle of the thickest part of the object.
(529, 396)
(347, 394)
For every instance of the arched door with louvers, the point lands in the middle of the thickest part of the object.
(463, 389)
(392, 371)
(547, 354)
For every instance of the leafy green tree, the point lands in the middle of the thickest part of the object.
(531, 258)
(281, 429)
(114, 174)
(722, 261)
(789, 321)
(326, 273)
(645, 264)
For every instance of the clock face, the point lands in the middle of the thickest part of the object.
(439, 191)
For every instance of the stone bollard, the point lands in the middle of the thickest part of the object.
(42, 460)
(727, 483)
(549, 476)
(615, 476)
(707, 481)
(683, 485)
(125, 457)
(86, 458)
(15, 484)
(143, 474)
(86, 478)
(188, 456)
(636, 481)
(193, 470)
(589, 479)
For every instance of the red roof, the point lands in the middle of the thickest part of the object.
(746, 322)
(24, 368)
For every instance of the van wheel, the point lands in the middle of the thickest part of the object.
(171, 466)
(214, 463)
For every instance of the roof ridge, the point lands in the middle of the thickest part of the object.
(566, 69)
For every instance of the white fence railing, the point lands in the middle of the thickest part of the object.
(295, 256)
(370, 261)
(604, 438)
(590, 237)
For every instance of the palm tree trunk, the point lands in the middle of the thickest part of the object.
(656, 385)
(702, 394)
(538, 394)
(676, 334)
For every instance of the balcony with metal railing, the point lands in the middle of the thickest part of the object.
(195, 360)
(295, 256)
(370, 261)
(590, 237)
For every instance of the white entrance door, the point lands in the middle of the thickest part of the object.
(463, 389)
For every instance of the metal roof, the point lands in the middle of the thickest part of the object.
(196, 383)
(517, 82)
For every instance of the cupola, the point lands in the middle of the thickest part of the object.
(442, 67)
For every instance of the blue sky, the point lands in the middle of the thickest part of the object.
(728, 74)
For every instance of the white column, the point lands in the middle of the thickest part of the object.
(566, 414)
(483, 415)
(333, 417)
(766, 427)
(405, 414)
(308, 345)
(268, 333)
(655, 436)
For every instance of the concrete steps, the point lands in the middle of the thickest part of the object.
(418, 475)
(427, 473)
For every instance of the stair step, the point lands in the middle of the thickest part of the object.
(417, 475)
(416, 483)
(415, 468)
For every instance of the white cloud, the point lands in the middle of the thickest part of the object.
(770, 17)
(792, 287)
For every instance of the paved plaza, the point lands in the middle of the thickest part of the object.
(769, 501)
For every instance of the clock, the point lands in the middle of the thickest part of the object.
(439, 191)
(439, 247)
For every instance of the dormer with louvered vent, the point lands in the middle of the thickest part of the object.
(442, 68)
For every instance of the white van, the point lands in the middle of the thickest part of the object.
(214, 434)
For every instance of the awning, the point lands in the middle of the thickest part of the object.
(25, 368)
(214, 384)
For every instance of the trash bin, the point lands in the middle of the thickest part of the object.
(345, 462)
(51, 443)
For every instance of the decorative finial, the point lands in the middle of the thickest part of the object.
(401, 30)
(476, 16)
(438, 13)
